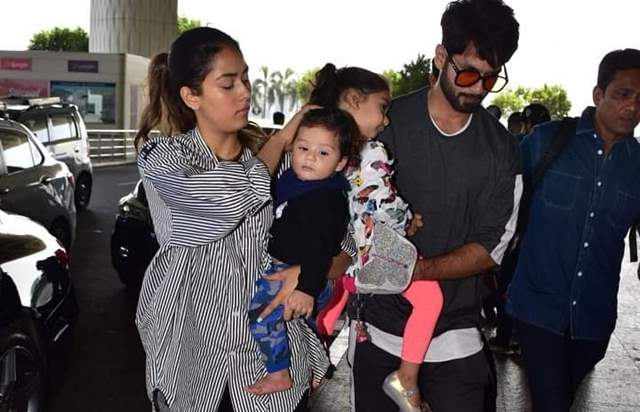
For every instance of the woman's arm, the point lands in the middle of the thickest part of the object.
(272, 150)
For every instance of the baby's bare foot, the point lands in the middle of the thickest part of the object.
(273, 382)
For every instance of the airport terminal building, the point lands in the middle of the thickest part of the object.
(108, 83)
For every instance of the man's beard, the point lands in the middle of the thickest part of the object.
(455, 100)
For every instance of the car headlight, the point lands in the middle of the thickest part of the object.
(130, 211)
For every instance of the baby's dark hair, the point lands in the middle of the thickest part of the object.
(339, 122)
(330, 83)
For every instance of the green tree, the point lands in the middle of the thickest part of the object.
(60, 39)
(185, 23)
(304, 85)
(553, 97)
(393, 78)
(414, 75)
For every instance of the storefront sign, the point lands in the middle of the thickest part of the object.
(83, 66)
(15, 63)
(24, 88)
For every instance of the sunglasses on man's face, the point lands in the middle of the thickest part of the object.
(467, 77)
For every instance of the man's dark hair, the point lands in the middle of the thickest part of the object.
(535, 113)
(489, 25)
(278, 118)
(339, 122)
(616, 61)
(515, 117)
(495, 111)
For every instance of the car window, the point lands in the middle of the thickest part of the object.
(61, 127)
(38, 125)
(17, 152)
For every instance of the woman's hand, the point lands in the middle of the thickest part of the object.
(415, 224)
(288, 132)
(300, 303)
(289, 278)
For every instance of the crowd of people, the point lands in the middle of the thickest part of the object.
(264, 241)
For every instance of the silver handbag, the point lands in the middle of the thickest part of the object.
(390, 263)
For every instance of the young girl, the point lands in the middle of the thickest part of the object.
(373, 200)
(209, 196)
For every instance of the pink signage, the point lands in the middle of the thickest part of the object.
(15, 63)
(24, 88)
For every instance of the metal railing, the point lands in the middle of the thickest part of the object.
(112, 145)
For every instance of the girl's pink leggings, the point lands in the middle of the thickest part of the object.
(426, 298)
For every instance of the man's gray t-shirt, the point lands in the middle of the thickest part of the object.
(466, 187)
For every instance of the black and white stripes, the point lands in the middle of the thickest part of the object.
(212, 219)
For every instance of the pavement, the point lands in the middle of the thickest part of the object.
(614, 385)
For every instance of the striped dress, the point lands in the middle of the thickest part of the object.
(211, 219)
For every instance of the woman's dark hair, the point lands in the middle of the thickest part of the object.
(339, 122)
(615, 61)
(187, 64)
(330, 83)
(489, 25)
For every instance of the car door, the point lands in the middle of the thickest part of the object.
(25, 187)
(64, 139)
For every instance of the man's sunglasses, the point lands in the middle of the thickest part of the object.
(492, 83)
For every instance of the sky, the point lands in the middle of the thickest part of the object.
(561, 42)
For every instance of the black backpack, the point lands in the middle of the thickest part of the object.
(560, 139)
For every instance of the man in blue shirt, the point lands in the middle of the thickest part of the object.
(564, 291)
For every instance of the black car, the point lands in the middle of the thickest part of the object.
(133, 242)
(38, 310)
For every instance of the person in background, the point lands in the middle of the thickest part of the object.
(278, 118)
(514, 124)
(533, 115)
(494, 111)
(563, 296)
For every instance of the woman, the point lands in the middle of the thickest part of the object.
(209, 198)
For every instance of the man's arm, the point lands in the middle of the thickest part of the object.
(485, 247)
(467, 260)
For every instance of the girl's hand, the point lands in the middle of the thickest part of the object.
(288, 132)
(415, 224)
(289, 276)
(300, 304)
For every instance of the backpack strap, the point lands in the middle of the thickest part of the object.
(633, 243)
(560, 139)
(566, 131)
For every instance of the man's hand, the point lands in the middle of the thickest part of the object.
(289, 276)
(415, 224)
(300, 303)
(339, 265)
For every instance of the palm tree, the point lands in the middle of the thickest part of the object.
(260, 93)
(290, 88)
(283, 87)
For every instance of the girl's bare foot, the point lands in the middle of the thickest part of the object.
(274, 382)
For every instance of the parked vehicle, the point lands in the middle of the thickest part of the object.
(61, 129)
(133, 242)
(38, 311)
(34, 184)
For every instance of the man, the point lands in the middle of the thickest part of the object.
(533, 115)
(458, 167)
(515, 124)
(564, 291)
(494, 111)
